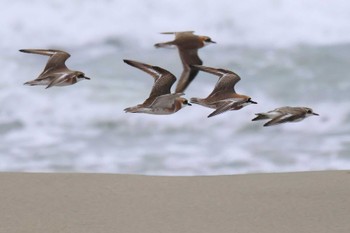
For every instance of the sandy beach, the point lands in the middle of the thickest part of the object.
(102, 203)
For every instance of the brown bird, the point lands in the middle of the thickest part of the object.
(284, 115)
(224, 97)
(160, 100)
(188, 45)
(55, 72)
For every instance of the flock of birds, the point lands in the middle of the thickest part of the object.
(161, 101)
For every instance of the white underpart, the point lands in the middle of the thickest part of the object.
(273, 114)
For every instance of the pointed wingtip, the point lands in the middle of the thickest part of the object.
(164, 45)
(134, 63)
(270, 123)
(130, 62)
(174, 32)
(213, 114)
(24, 50)
(168, 33)
(45, 52)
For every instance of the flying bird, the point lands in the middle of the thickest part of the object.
(55, 72)
(284, 115)
(224, 97)
(160, 101)
(188, 45)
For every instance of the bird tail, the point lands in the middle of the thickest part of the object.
(260, 116)
(134, 109)
(164, 44)
(131, 109)
(31, 83)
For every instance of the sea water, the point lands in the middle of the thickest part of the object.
(288, 53)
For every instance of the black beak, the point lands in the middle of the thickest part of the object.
(87, 78)
(316, 114)
(189, 104)
(253, 102)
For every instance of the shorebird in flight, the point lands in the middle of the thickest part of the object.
(160, 100)
(224, 97)
(284, 115)
(55, 72)
(188, 45)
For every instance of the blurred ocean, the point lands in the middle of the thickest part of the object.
(293, 53)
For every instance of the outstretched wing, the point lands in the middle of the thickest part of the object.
(56, 61)
(188, 57)
(226, 107)
(163, 79)
(225, 84)
(283, 119)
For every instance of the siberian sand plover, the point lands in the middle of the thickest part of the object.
(55, 72)
(188, 45)
(284, 115)
(224, 97)
(160, 100)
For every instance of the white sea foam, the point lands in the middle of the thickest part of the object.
(58, 23)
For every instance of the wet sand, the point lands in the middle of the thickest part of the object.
(105, 203)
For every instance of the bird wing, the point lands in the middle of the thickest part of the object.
(163, 79)
(179, 32)
(60, 78)
(283, 119)
(188, 57)
(163, 83)
(178, 35)
(226, 107)
(56, 61)
(225, 84)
